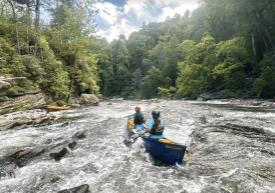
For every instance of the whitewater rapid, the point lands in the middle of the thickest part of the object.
(216, 133)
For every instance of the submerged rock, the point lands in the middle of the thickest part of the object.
(79, 189)
(80, 135)
(59, 155)
(7, 167)
(72, 145)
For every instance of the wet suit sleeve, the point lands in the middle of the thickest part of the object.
(150, 124)
(162, 124)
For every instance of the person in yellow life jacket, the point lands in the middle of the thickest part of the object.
(139, 119)
(156, 126)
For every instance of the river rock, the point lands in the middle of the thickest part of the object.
(7, 167)
(80, 135)
(75, 105)
(27, 155)
(88, 99)
(57, 156)
(79, 189)
(72, 145)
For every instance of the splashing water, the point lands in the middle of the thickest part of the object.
(218, 135)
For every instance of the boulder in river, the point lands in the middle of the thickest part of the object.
(72, 145)
(88, 99)
(27, 155)
(80, 135)
(79, 189)
(7, 167)
(59, 155)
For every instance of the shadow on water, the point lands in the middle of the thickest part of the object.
(237, 108)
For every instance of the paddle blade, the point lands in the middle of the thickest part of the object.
(130, 141)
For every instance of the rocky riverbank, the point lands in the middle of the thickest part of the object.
(36, 117)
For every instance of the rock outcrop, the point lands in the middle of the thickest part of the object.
(88, 100)
(36, 101)
(4, 86)
(29, 117)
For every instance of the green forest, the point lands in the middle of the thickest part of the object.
(223, 45)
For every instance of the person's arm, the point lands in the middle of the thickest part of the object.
(150, 125)
(144, 119)
(162, 124)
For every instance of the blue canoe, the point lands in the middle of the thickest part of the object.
(167, 152)
(164, 149)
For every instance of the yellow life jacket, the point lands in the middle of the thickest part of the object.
(131, 124)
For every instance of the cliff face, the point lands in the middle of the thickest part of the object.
(7, 81)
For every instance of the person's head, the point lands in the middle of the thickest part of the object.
(155, 114)
(137, 109)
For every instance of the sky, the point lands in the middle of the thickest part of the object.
(117, 17)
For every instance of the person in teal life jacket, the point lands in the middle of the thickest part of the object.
(139, 119)
(156, 126)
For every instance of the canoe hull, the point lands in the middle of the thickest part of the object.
(168, 153)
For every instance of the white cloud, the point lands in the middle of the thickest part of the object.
(169, 11)
(108, 12)
(135, 13)
(115, 30)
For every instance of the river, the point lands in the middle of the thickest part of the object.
(231, 150)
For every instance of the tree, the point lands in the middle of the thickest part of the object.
(151, 82)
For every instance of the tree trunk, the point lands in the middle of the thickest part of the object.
(2, 11)
(28, 24)
(37, 6)
(105, 82)
(16, 30)
(255, 54)
(112, 61)
(258, 15)
(37, 15)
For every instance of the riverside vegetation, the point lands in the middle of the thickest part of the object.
(222, 45)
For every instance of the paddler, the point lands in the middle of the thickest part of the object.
(139, 119)
(156, 126)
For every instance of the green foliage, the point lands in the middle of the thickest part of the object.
(266, 83)
(72, 26)
(227, 94)
(151, 82)
(163, 92)
(233, 56)
(20, 106)
(14, 90)
(196, 70)
(56, 77)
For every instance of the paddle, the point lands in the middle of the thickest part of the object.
(130, 141)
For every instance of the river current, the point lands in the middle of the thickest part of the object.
(231, 150)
